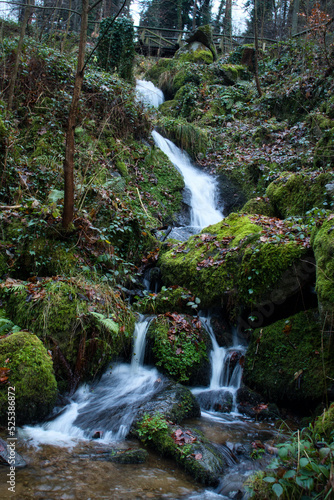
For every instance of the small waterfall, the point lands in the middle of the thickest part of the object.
(105, 409)
(149, 94)
(225, 375)
(201, 185)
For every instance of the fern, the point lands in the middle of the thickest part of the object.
(107, 323)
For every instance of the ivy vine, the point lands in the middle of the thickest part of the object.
(116, 50)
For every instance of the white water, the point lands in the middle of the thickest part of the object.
(201, 185)
(149, 94)
(108, 407)
(223, 378)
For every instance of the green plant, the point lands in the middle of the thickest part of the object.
(303, 469)
(150, 425)
(116, 46)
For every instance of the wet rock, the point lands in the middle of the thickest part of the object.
(252, 404)
(215, 401)
(230, 197)
(175, 402)
(9, 456)
(129, 456)
(286, 362)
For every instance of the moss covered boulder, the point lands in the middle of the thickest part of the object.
(84, 324)
(195, 52)
(323, 246)
(174, 298)
(290, 361)
(242, 260)
(260, 205)
(203, 34)
(29, 368)
(297, 193)
(180, 347)
(324, 424)
(186, 445)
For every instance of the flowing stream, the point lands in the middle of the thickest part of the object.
(67, 456)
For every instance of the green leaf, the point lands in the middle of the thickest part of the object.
(250, 291)
(108, 323)
(289, 473)
(269, 479)
(55, 195)
(197, 300)
(277, 489)
(324, 452)
(303, 462)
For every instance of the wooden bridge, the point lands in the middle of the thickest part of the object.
(164, 42)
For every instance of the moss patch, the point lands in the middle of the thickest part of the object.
(238, 260)
(31, 373)
(323, 246)
(178, 345)
(285, 362)
(295, 194)
(85, 325)
(324, 424)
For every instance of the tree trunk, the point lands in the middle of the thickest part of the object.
(256, 58)
(295, 11)
(69, 148)
(18, 57)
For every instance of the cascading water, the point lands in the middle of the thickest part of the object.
(202, 187)
(108, 407)
(149, 94)
(226, 373)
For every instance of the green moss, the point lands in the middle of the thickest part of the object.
(157, 69)
(200, 55)
(231, 261)
(178, 346)
(31, 373)
(288, 362)
(323, 246)
(122, 168)
(176, 299)
(61, 314)
(260, 206)
(295, 194)
(324, 424)
(186, 135)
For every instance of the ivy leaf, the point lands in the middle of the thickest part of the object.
(277, 489)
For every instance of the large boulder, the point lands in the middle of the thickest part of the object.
(203, 35)
(28, 383)
(290, 362)
(323, 246)
(243, 261)
(297, 193)
(84, 325)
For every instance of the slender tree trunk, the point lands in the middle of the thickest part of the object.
(18, 57)
(295, 11)
(258, 86)
(194, 15)
(62, 46)
(69, 149)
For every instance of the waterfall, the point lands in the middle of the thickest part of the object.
(202, 186)
(149, 94)
(226, 373)
(105, 409)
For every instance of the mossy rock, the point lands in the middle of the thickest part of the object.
(84, 325)
(324, 424)
(323, 246)
(297, 193)
(195, 52)
(289, 361)
(323, 153)
(31, 374)
(153, 74)
(186, 445)
(187, 136)
(238, 261)
(204, 35)
(180, 347)
(229, 74)
(175, 298)
(260, 205)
